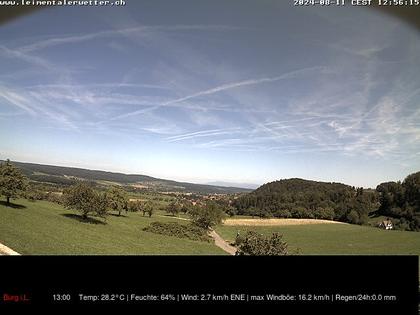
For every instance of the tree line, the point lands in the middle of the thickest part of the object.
(290, 198)
(401, 201)
(298, 198)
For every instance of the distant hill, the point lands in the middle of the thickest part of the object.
(230, 184)
(300, 198)
(298, 185)
(68, 175)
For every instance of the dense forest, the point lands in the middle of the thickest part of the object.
(299, 198)
(401, 201)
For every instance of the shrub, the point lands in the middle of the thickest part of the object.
(263, 213)
(30, 197)
(53, 197)
(284, 213)
(230, 211)
(353, 217)
(256, 244)
(324, 213)
(185, 208)
(189, 231)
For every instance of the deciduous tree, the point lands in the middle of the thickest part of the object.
(208, 216)
(83, 198)
(12, 181)
(148, 209)
(173, 208)
(117, 199)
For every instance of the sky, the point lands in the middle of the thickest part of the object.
(204, 91)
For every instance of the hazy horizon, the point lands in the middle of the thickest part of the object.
(214, 91)
(248, 185)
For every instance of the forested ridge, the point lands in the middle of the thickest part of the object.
(401, 200)
(300, 198)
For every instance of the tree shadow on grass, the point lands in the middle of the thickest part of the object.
(12, 205)
(81, 219)
(116, 215)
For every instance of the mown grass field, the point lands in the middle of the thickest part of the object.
(336, 239)
(47, 228)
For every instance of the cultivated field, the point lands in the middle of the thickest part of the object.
(42, 227)
(275, 222)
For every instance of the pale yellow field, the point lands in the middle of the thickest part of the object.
(277, 222)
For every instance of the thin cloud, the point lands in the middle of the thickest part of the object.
(16, 100)
(123, 32)
(204, 133)
(37, 61)
(105, 85)
(229, 86)
(34, 107)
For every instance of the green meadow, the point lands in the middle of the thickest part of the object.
(43, 227)
(337, 239)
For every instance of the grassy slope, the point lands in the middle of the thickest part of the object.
(338, 239)
(41, 228)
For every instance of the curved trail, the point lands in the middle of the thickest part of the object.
(220, 242)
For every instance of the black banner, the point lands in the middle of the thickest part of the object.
(385, 284)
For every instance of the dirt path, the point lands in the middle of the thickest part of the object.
(171, 217)
(220, 242)
(4, 250)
